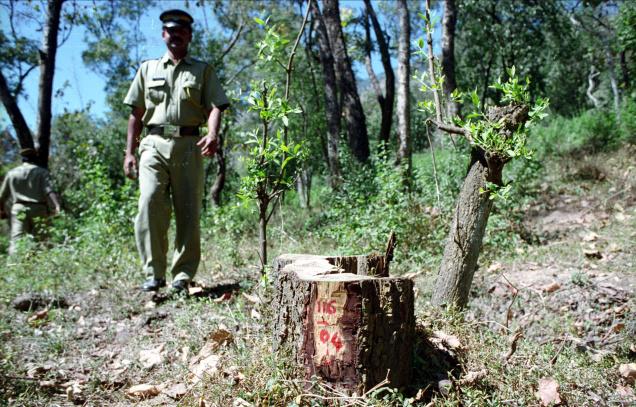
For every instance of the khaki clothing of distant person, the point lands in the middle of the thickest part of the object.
(171, 97)
(28, 187)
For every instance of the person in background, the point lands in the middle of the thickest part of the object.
(171, 97)
(28, 192)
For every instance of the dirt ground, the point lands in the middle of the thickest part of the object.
(574, 286)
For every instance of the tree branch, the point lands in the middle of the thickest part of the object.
(232, 41)
(17, 119)
(431, 63)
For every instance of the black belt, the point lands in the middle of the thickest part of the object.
(174, 131)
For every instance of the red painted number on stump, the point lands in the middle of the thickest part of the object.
(335, 339)
(336, 342)
(326, 307)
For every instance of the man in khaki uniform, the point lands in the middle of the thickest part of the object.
(171, 97)
(27, 187)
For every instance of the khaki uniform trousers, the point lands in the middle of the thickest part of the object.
(170, 175)
(27, 219)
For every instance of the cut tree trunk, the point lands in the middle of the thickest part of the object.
(344, 320)
(463, 244)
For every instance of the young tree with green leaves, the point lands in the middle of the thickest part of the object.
(497, 135)
(273, 159)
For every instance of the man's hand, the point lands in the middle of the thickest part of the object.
(130, 166)
(209, 144)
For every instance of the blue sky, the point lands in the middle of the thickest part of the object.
(81, 86)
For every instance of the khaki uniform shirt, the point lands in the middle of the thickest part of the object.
(27, 183)
(179, 95)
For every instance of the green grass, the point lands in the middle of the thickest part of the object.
(97, 270)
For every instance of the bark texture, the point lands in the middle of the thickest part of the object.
(351, 105)
(403, 95)
(448, 54)
(332, 105)
(47, 70)
(344, 325)
(472, 210)
(386, 98)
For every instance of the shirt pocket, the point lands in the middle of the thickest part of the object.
(156, 91)
(191, 92)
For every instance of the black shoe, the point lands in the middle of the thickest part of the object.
(153, 284)
(180, 288)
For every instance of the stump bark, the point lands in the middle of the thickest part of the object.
(344, 319)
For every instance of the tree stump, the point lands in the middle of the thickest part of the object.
(344, 323)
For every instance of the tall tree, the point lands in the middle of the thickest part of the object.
(46, 62)
(403, 94)
(351, 106)
(332, 105)
(448, 54)
(386, 98)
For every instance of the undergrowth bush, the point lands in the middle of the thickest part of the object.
(591, 132)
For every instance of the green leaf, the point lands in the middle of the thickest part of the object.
(259, 21)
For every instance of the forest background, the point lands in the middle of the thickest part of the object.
(356, 153)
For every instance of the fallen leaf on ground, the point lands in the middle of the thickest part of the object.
(220, 337)
(473, 377)
(628, 372)
(548, 392)
(592, 253)
(239, 402)
(495, 267)
(551, 287)
(150, 305)
(74, 393)
(47, 384)
(152, 357)
(176, 391)
(39, 315)
(206, 366)
(255, 314)
(195, 290)
(252, 298)
(449, 340)
(224, 297)
(625, 392)
(35, 371)
(145, 390)
(590, 237)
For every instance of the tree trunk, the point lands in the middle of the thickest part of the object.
(403, 96)
(47, 70)
(343, 323)
(303, 188)
(591, 86)
(465, 237)
(472, 210)
(611, 67)
(448, 55)
(15, 115)
(624, 70)
(387, 99)
(351, 106)
(332, 106)
(219, 182)
(262, 234)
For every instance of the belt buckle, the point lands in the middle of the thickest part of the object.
(171, 130)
